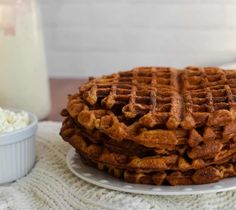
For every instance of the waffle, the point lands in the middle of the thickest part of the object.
(131, 148)
(156, 120)
(154, 112)
(204, 175)
(172, 169)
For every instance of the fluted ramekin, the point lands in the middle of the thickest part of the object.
(17, 152)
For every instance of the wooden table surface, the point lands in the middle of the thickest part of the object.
(60, 88)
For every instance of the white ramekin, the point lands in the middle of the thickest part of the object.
(17, 152)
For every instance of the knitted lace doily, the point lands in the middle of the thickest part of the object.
(51, 185)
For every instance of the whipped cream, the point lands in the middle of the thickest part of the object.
(11, 121)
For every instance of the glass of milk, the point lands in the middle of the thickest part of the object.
(23, 73)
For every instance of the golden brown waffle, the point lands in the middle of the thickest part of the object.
(130, 148)
(157, 170)
(125, 147)
(156, 162)
(152, 117)
(204, 175)
(156, 120)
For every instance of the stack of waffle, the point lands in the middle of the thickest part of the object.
(157, 126)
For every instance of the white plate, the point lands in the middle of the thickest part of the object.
(102, 179)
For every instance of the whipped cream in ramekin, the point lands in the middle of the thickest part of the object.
(11, 121)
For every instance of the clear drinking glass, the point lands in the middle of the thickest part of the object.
(23, 72)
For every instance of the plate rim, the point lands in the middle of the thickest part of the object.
(161, 190)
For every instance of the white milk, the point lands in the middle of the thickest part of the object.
(23, 74)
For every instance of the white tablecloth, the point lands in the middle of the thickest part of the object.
(50, 185)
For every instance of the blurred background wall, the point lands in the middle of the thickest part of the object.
(94, 37)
